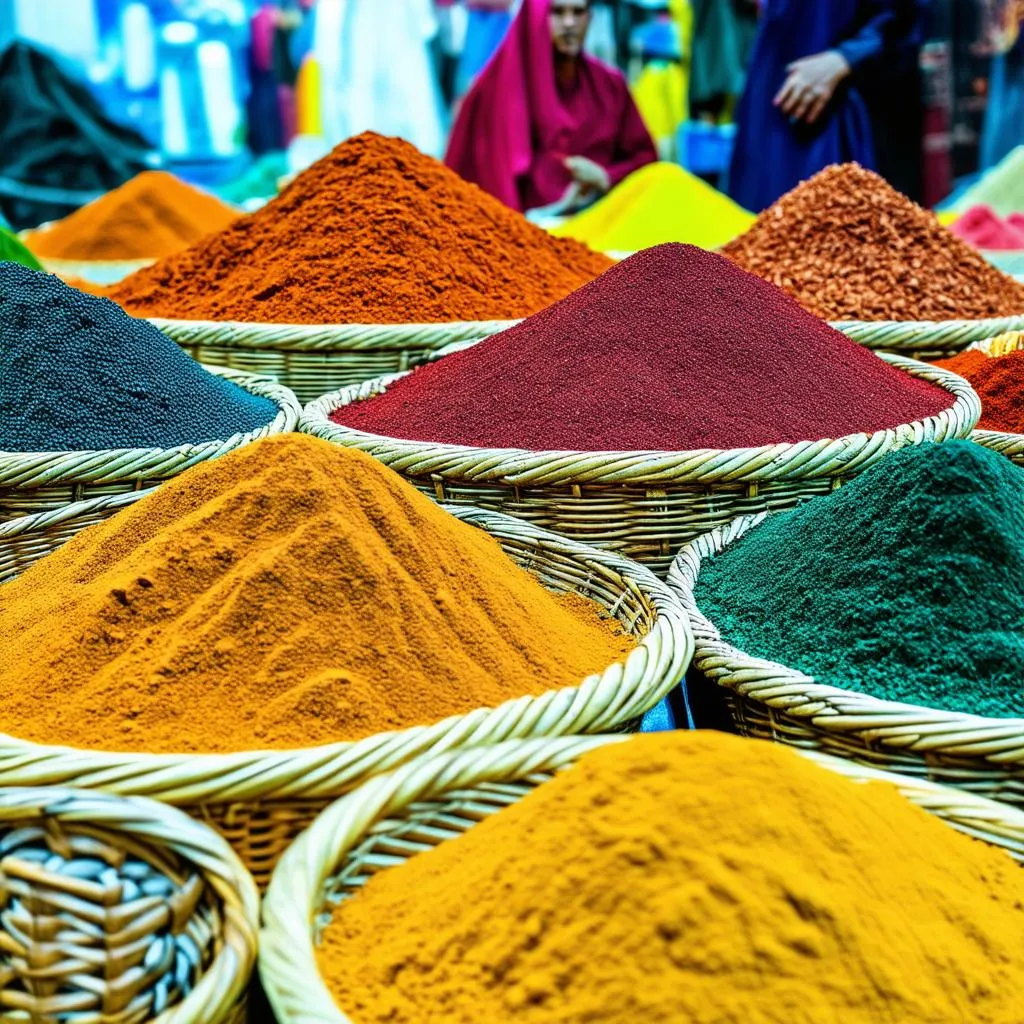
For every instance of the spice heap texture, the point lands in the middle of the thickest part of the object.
(78, 373)
(291, 593)
(999, 381)
(375, 232)
(661, 202)
(848, 246)
(674, 348)
(649, 883)
(152, 215)
(906, 584)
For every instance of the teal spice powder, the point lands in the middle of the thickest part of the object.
(906, 584)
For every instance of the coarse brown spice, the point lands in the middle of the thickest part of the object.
(848, 246)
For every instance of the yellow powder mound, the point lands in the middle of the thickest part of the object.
(689, 877)
(291, 593)
(661, 202)
(152, 215)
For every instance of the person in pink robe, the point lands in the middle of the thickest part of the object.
(544, 123)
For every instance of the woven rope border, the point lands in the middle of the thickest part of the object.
(130, 467)
(434, 799)
(642, 504)
(926, 339)
(293, 785)
(221, 990)
(985, 755)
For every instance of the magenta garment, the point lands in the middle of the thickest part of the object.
(517, 123)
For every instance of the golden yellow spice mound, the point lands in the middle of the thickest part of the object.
(689, 877)
(291, 593)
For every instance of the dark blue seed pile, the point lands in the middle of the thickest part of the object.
(77, 373)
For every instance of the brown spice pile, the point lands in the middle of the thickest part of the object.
(375, 232)
(848, 246)
(291, 593)
(152, 215)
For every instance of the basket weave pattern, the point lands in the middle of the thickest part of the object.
(984, 756)
(926, 339)
(119, 912)
(434, 799)
(260, 800)
(312, 359)
(33, 482)
(642, 505)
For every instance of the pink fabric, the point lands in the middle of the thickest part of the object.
(982, 227)
(517, 124)
(263, 28)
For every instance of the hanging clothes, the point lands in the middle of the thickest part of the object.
(723, 33)
(376, 70)
(1004, 116)
(771, 154)
(518, 123)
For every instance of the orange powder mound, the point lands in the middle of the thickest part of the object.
(999, 382)
(152, 215)
(291, 593)
(375, 232)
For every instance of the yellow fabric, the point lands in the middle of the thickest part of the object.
(660, 94)
(307, 97)
(661, 202)
(947, 217)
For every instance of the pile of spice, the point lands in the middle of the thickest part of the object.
(906, 584)
(689, 877)
(291, 593)
(675, 348)
(78, 373)
(983, 228)
(661, 202)
(999, 382)
(152, 215)
(848, 246)
(375, 232)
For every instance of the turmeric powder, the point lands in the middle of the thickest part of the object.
(154, 214)
(290, 593)
(689, 877)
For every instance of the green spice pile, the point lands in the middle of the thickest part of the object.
(906, 584)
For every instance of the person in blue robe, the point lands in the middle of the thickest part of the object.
(802, 108)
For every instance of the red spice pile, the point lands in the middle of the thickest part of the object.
(375, 232)
(675, 348)
(848, 246)
(999, 381)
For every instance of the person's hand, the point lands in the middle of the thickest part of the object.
(591, 177)
(811, 83)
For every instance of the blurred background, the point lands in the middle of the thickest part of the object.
(237, 94)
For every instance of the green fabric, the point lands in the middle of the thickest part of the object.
(12, 251)
(907, 583)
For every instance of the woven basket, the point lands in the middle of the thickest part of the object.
(119, 911)
(926, 339)
(644, 505)
(33, 482)
(260, 800)
(435, 799)
(313, 359)
(770, 701)
(23, 541)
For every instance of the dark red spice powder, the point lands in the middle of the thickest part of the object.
(675, 348)
(999, 381)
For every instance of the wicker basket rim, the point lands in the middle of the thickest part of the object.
(226, 978)
(70, 464)
(287, 957)
(655, 665)
(786, 459)
(845, 705)
(259, 325)
(978, 323)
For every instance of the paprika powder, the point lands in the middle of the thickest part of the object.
(999, 382)
(375, 232)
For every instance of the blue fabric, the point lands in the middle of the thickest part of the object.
(484, 32)
(659, 718)
(771, 154)
(1004, 117)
